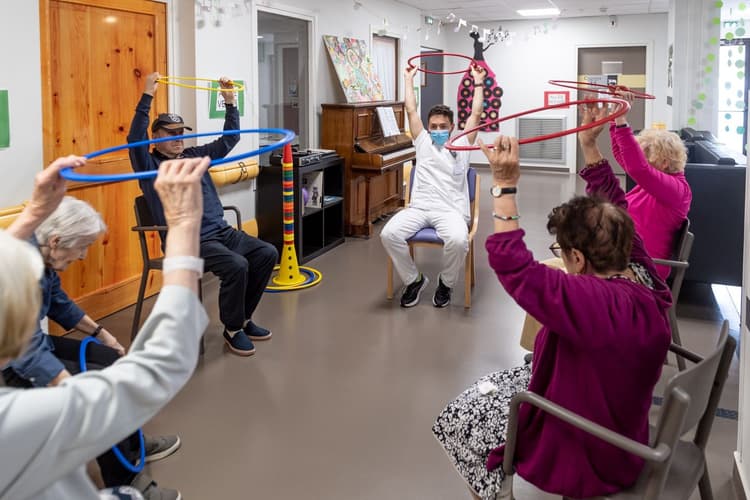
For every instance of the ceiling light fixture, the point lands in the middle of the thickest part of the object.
(550, 12)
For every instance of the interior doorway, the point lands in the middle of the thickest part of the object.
(621, 66)
(283, 75)
(431, 86)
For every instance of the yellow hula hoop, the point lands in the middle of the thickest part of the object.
(167, 80)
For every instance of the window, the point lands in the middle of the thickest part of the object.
(385, 64)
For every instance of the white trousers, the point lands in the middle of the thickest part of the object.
(451, 227)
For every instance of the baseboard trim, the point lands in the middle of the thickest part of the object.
(739, 481)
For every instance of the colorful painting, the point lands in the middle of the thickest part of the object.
(354, 69)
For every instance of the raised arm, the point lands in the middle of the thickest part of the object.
(49, 190)
(224, 144)
(139, 156)
(665, 188)
(410, 102)
(88, 413)
(477, 103)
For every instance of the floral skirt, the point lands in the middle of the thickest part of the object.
(475, 423)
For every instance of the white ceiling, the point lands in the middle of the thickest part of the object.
(501, 10)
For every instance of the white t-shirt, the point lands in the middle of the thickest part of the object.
(440, 177)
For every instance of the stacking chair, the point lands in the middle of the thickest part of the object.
(427, 237)
(145, 224)
(674, 463)
(679, 264)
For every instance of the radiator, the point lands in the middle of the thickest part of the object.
(546, 152)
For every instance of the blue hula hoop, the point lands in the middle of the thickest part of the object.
(124, 461)
(69, 174)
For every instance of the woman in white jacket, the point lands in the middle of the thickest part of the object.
(49, 434)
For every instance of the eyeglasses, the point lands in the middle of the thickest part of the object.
(556, 249)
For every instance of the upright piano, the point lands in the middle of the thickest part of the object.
(373, 173)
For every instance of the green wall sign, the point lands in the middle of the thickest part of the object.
(4, 120)
(216, 101)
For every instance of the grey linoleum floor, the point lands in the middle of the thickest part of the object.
(339, 404)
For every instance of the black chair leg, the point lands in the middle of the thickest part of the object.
(139, 304)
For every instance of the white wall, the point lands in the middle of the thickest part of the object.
(21, 75)
(525, 66)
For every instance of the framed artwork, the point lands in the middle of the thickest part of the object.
(351, 60)
(553, 97)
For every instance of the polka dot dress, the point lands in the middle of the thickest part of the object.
(492, 99)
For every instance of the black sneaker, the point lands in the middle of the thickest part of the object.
(442, 295)
(410, 297)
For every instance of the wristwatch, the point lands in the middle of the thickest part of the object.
(498, 191)
(97, 331)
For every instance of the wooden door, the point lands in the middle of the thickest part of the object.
(95, 56)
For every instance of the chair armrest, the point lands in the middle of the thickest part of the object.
(677, 264)
(232, 208)
(658, 454)
(145, 229)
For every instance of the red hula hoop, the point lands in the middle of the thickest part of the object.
(600, 88)
(442, 54)
(624, 107)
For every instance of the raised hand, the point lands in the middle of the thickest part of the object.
(179, 187)
(227, 83)
(49, 187)
(151, 83)
(504, 160)
(589, 114)
(478, 73)
(409, 73)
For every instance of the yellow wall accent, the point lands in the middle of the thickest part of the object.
(632, 81)
(8, 215)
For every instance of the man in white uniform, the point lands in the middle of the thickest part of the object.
(439, 195)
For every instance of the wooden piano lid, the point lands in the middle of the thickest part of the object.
(369, 104)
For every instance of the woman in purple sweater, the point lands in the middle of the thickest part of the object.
(599, 353)
(660, 201)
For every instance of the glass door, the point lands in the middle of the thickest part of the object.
(283, 75)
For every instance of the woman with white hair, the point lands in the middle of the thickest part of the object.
(655, 160)
(49, 434)
(61, 239)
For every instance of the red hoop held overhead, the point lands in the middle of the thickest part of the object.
(600, 88)
(441, 54)
(624, 107)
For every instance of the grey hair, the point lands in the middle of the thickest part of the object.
(21, 267)
(75, 222)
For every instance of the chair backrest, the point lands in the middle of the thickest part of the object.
(698, 381)
(683, 247)
(471, 178)
(143, 218)
(143, 215)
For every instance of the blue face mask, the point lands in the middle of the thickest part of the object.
(440, 137)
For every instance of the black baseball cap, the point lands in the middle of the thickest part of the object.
(168, 121)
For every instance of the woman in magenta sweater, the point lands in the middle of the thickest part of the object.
(660, 201)
(600, 351)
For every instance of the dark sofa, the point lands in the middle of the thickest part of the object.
(717, 179)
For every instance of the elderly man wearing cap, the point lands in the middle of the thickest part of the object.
(243, 263)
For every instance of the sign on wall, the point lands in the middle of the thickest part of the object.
(4, 120)
(216, 108)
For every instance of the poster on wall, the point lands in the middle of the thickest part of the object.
(216, 108)
(354, 69)
(4, 120)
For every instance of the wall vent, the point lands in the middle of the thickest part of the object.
(547, 152)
